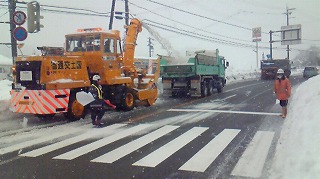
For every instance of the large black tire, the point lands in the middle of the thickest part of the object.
(220, 87)
(210, 88)
(128, 100)
(75, 110)
(174, 94)
(204, 90)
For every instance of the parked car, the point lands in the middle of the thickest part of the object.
(310, 71)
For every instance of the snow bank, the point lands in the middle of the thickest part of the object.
(298, 149)
(5, 87)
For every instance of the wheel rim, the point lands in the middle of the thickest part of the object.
(129, 99)
(77, 108)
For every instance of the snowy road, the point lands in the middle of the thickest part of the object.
(233, 134)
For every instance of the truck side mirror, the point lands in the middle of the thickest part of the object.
(227, 64)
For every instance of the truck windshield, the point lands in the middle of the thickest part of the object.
(83, 43)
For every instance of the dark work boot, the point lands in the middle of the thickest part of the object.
(98, 123)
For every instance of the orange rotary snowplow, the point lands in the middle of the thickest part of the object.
(47, 84)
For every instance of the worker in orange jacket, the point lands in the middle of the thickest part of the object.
(282, 88)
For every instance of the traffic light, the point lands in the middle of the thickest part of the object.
(33, 17)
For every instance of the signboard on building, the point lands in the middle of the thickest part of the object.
(256, 34)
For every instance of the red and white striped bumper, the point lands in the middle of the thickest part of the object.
(39, 101)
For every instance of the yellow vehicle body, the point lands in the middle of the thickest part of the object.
(60, 73)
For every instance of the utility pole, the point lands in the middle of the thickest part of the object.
(257, 52)
(287, 13)
(126, 12)
(12, 9)
(117, 13)
(270, 41)
(112, 14)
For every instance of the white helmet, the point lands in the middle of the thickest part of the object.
(280, 71)
(96, 78)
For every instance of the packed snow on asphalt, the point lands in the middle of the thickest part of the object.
(298, 149)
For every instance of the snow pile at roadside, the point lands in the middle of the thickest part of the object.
(298, 149)
(5, 87)
(237, 75)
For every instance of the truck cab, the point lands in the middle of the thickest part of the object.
(102, 52)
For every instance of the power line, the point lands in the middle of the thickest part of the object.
(189, 32)
(166, 27)
(194, 14)
(4, 14)
(200, 36)
(187, 24)
(78, 9)
(205, 17)
(67, 11)
(211, 39)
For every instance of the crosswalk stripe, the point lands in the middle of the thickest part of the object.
(37, 141)
(170, 148)
(73, 140)
(203, 158)
(124, 150)
(100, 143)
(224, 111)
(252, 160)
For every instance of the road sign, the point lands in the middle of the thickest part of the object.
(256, 40)
(256, 32)
(20, 33)
(291, 35)
(19, 17)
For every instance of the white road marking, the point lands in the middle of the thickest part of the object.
(228, 97)
(224, 111)
(73, 140)
(124, 150)
(252, 160)
(100, 143)
(29, 143)
(156, 157)
(233, 89)
(204, 157)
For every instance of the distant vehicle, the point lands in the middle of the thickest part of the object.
(204, 72)
(270, 67)
(310, 71)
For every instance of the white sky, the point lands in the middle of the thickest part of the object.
(245, 13)
(298, 148)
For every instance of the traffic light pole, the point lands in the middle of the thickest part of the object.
(12, 9)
